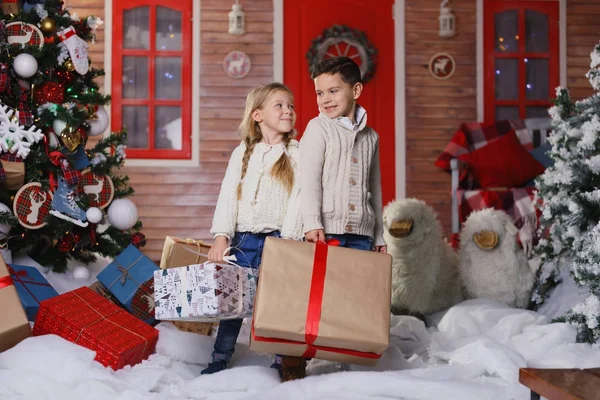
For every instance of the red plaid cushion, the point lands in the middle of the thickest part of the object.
(503, 162)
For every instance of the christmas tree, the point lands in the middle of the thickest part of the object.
(569, 194)
(58, 201)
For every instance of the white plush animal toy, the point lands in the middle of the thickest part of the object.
(492, 265)
(424, 267)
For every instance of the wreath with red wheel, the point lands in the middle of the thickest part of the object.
(341, 40)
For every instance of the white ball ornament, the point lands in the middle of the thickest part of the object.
(25, 65)
(5, 228)
(93, 215)
(122, 214)
(81, 272)
(100, 123)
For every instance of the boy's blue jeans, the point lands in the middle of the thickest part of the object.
(351, 241)
(247, 248)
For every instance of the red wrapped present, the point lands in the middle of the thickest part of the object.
(90, 320)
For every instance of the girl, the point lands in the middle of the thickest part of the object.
(259, 195)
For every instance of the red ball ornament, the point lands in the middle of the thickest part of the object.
(49, 92)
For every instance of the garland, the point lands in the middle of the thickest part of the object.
(352, 37)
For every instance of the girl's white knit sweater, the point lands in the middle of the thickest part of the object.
(265, 204)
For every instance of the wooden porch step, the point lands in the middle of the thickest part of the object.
(562, 384)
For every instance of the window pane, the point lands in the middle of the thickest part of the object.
(536, 83)
(536, 112)
(135, 28)
(135, 120)
(507, 31)
(506, 112)
(536, 31)
(135, 77)
(168, 29)
(507, 79)
(168, 78)
(168, 128)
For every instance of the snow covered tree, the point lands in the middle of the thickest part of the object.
(53, 192)
(570, 203)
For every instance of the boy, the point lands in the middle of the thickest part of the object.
(339, 162)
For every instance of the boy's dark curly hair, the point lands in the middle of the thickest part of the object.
(348, 70)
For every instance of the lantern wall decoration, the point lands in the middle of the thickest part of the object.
(447, 20)
(237, 19)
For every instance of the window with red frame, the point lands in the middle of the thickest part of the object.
(152, 77)
(521, 58)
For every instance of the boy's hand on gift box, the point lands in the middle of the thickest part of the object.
(217, 251)
(315, 235)
(381, 249)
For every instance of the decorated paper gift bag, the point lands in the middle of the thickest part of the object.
(322, 301)
(204, 292)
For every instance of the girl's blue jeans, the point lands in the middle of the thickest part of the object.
(247, 248)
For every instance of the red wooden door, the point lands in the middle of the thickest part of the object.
(304, 21)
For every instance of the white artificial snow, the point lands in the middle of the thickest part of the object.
(472, 351)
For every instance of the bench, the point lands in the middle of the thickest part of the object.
(562, 384)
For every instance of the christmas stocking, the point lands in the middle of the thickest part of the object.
(78, 49)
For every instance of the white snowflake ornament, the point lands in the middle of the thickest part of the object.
(14, 138)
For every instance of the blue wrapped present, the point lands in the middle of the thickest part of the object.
(130, 278)
(32, 288)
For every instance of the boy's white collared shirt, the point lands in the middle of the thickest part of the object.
(358, 117)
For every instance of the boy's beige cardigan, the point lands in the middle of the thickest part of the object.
(340, 179)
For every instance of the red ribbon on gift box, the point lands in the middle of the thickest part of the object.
(313, 313)
(6, 281)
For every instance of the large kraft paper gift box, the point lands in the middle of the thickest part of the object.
(322, 301)
(178, 252)
(14, 326)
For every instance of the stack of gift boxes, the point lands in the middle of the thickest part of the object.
(114, 316)
(312, 300)
(100, 318)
